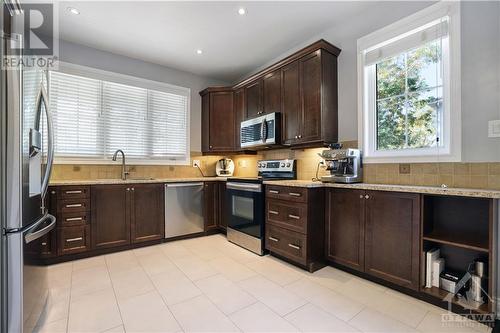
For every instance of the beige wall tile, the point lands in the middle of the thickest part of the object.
(445, 168)
(479, 169)
(461, 169)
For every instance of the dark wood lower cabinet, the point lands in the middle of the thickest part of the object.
(147, 216)
(222, 206)
(392, 237)
(345, 229)
(211, 205)
(376, 233)
(110, 216)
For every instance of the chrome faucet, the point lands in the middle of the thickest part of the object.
(124, 172)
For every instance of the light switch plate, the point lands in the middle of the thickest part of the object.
(494, 129)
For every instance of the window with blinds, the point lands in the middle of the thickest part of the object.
(93, 118)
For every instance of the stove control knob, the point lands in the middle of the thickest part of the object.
(288, 165)
(259, 165)
(282, 165)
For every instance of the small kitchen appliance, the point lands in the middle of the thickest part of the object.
(261, 132)
(224, 167)
(245, 209)
(345, 165)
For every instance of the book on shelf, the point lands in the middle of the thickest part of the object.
(430, 257)
(437, 268)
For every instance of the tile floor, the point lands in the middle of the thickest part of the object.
(209, 285)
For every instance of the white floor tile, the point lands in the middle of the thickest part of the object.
(330, 301)
(200, 315)
(271, 294)
(94, 312)
(370, 320)
(174, 250)
(147, 313)
(434, 323)
(89, 280)
(194, 267)
(131, 283)
(89, 263)
(175, 287)
(155, 263)
(259, 318)
(330, 277)
(117, 329)
(275, 271)
(58, 326)
(310, 318)
(361, 290)
(226, 295)
(121, 261)
(232, 269)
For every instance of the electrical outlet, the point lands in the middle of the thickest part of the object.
(404, 169)
(196, 163)
(494, 129)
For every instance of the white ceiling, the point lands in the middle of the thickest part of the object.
(169, 33)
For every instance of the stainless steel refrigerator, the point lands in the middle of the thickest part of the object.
(25, 129)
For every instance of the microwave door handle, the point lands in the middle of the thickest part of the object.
(42, 97)
(263, 130)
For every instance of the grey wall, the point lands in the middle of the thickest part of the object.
(480, 69)
(86, 56)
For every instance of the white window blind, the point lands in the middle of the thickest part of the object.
(93, 118)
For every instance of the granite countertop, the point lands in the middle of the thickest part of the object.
(134, 181)
(465, 192)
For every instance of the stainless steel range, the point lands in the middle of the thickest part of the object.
(245, 211)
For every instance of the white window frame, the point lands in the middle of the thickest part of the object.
(451, 137)
(99, 74)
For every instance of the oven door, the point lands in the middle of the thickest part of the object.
(245, 208)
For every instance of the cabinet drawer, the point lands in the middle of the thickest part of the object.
(289, 244)
(294, 194)
(74, 218)
(286, 215)
(74, 205)
(74, 239)
(74, 192)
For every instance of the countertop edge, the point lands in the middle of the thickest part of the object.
(134, 181)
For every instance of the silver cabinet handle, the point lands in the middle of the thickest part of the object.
(69, 219)
(73, 205)
(295, 217)
(296, 137)
(53, 192)
(128, 188)
(300, 136)
(133, 189)
(69, 240)
(273, 239)
(274, 191)
(73, 192)
(367, 196)
(44, 243)
(294, 246)
(273, 212)
(293, 194)
(361, 196)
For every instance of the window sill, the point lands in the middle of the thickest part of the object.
(410, 159)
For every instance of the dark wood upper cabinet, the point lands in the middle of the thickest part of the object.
(310, 78)
(239, 115)
(219, 121)
(392, 237)
(147, 216)
(110, 215)
(345, 229)
(302, 86)
(222, 206)
(254, 99)
(271, 86)
(291, 108)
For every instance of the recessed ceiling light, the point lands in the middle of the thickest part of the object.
(73, 10)
(242, 11)
(199, 51)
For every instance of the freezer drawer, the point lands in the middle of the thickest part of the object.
(183, 209)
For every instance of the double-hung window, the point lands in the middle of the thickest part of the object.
(409, 91)
(95, 113)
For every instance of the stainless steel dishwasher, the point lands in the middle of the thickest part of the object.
(183, 209)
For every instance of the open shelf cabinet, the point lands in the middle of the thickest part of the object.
(463, 229)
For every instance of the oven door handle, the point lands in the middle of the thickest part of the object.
(244, 187)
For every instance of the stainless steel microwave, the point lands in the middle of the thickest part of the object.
(260, 131)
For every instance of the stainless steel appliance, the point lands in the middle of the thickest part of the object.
(261, 131)
(224, 167)
(24, 182)
(183, 209)
(246, 205)
(345, 165)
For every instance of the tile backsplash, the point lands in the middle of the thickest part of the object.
(468, 175)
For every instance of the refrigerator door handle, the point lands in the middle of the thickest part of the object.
(42, 97)
(32, 235)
